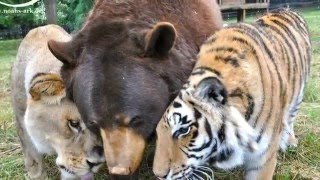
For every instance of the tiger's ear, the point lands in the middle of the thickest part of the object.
(160, 39)
(212, 90)
(47, 87)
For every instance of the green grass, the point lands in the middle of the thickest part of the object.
(302, 162)
(11, 161)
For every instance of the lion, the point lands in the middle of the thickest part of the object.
(47, 121)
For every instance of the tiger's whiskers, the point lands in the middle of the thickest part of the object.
(205, 168)
(197, 176)
(204, 173)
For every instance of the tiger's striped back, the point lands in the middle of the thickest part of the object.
(240, 101)
(277, 51)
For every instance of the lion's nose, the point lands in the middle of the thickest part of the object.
(91, 164)
(119, 170)
(98, 150)
(161, 176)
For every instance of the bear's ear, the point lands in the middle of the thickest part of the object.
(47, 87)
(160, 39)
(212, 90)
(67, 52)
(62, 51)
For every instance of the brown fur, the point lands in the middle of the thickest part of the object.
(194, 20)
(115, 148)
(131, 57)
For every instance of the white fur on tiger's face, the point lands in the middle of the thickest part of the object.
(199, 130)
(240, 101)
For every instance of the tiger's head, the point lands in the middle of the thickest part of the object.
(201, 128)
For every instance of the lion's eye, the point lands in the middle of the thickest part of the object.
(182, 132)
(74, 124)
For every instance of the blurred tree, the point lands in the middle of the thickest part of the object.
(81, 11)
(69, 13)
(72, 13)
(16, 22)
(15, 16)
(51, 11)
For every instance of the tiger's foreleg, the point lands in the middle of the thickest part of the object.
(264, 172)
(262, 167)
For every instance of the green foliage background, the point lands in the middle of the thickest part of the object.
(71, 14)
(300, 163)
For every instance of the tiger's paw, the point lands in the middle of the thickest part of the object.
(292, 141)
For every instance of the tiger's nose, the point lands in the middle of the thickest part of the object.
(161, 176)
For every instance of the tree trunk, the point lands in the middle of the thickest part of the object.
(51, 11)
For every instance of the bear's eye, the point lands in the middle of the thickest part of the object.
(181, 132)
(91, 123)
(136, 121)
(74, 124)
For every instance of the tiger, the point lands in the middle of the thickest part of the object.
(238, 106)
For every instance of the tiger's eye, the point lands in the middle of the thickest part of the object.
(182, 132)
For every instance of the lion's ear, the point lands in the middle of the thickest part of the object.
(47, 87)
(160, 39)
